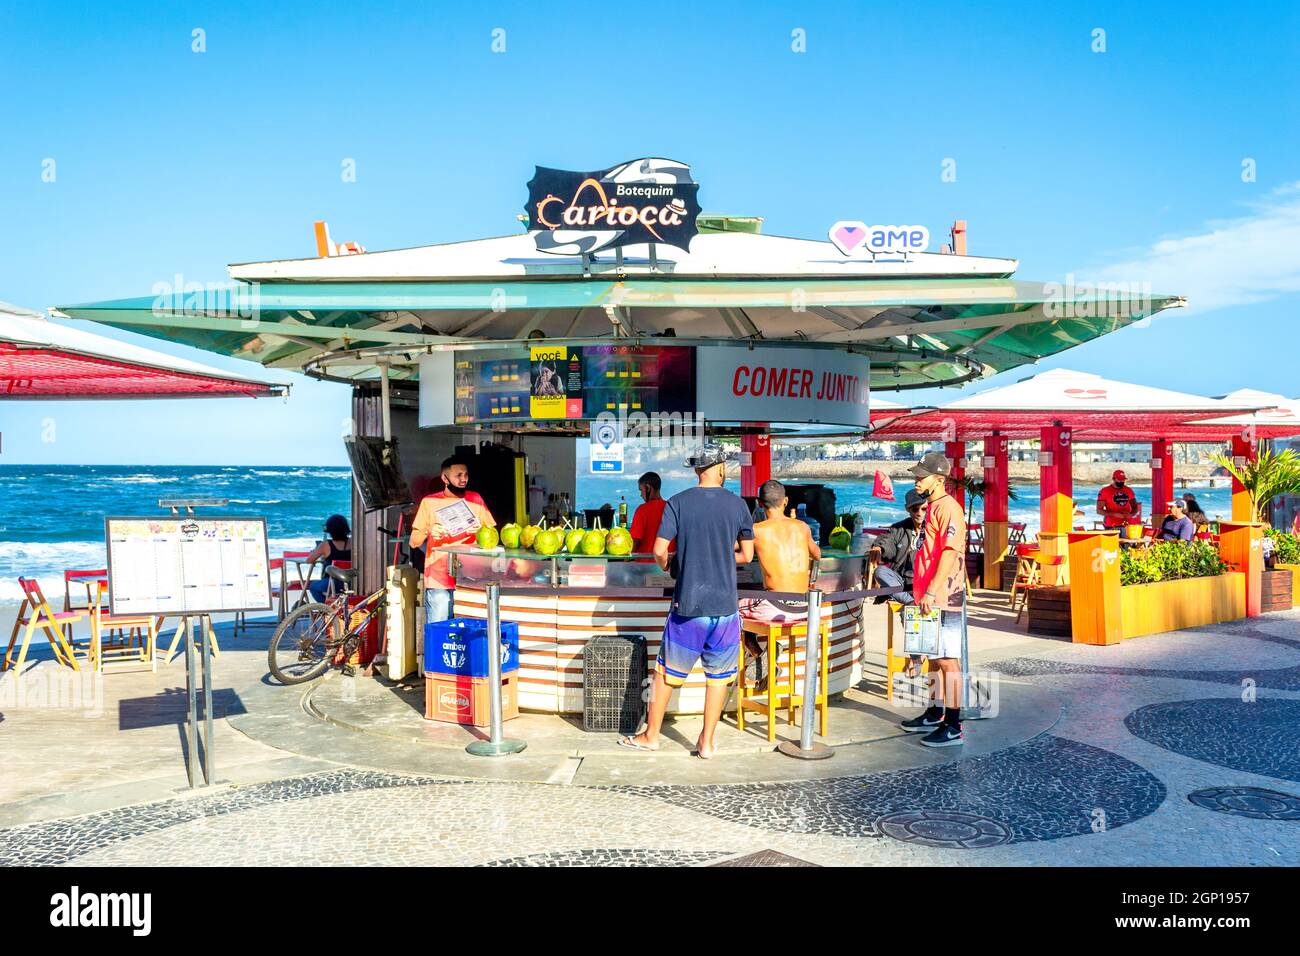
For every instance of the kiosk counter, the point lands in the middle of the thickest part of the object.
(562, 601)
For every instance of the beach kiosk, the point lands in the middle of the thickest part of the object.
(619, 302)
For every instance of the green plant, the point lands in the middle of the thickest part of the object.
(1286, 546)
(1270, 474)
(978, 488)
(1170, 561)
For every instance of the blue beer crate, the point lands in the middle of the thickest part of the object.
(459, 647)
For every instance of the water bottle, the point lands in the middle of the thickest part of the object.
(801, 512)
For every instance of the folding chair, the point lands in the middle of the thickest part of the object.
(132, 638)
(35, 613)
(277, 601)
(298, 583)
(88, 581)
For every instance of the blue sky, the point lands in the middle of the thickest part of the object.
(1124, 162)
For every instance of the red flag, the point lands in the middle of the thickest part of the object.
(884, 488)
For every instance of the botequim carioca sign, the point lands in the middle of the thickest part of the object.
(645, 200)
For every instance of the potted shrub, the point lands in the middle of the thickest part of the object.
(1283, 559)
(1176, 584)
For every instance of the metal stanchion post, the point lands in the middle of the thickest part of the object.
(496, 745)
(205, 622)
(807, 748)
(191, 758)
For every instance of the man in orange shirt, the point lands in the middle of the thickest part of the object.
(939, 582)
(439, 585)
(645, 520)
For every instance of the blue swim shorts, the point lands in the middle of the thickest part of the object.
(714, 640)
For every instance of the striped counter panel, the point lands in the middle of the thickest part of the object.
(847, 646)
(554, 629)
(535, 616)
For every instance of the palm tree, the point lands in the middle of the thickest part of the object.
(1272, 473)
(976, 488)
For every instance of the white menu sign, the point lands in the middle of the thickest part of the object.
(772, 384)
(187, 565)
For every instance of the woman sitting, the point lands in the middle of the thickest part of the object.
(336, 547)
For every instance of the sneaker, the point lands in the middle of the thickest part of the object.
(945, 735)
(922, 724)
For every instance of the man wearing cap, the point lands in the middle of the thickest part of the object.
(940, 582)
(714, 534)
(1116, 502)
(893, 554)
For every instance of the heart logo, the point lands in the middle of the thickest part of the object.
(848, 236)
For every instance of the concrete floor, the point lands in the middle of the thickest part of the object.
(1096, 755)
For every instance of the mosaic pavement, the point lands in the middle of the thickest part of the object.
(1142, 768)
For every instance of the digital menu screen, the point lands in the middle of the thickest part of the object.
(558, 383)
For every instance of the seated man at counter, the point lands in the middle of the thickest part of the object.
(439, 585)
(1177, 526)
(785, 549)
(893, 554)
(714, 534)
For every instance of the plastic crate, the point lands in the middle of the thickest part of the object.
(464, 700)
(613, 684)
(459, 647)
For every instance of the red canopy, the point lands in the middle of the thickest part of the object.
(1096, 409)
(42, 360)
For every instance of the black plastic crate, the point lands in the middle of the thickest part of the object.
(613, 684)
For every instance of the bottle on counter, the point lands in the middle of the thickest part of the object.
(622, 511)
(801, 512)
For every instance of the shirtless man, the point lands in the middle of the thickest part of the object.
(784, 547)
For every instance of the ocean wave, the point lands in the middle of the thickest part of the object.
(142, 479)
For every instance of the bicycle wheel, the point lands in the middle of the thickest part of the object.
(304, 643)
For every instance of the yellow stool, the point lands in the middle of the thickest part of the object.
(894, 663)
(781, 695)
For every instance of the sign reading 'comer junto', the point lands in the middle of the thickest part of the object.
(782, 385)
(642, 201)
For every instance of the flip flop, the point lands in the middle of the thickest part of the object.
(631, 744)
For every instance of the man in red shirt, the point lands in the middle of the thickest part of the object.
(439, 585)
(939, 581)
(1116, 503)
(645, 520)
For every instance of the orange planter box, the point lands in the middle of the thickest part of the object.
(464, 700)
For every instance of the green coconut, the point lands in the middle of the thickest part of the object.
(548, 541)
(618, 541)
(511, 535)
(593, 543)
(487, 538)
(841, 538)
(573, 539)
(529, 535)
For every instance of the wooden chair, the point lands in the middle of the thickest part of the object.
(894, 663)
(35, 614)
(1029, 574)
(781, 695)
(242, 624)
(121, 642)
(88, 581)
(298, 583)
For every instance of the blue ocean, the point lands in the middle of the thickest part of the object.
(52, 517)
